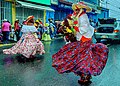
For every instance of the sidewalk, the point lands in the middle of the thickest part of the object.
(10, 43)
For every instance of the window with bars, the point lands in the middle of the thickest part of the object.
(23, 12)
(6, 11)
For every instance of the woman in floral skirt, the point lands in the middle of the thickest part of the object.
(82, 56)
(29, 44)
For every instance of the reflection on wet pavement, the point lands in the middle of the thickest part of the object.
(15, 70)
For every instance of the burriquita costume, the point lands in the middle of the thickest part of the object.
(28, 44)
(82, 56)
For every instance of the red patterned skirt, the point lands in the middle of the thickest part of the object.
(82, 57)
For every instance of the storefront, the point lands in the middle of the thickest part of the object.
(93, 15)
(104, 13)
(5, 11)
(63, 10)
(25, 9)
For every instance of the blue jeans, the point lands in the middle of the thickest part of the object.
(5, 36)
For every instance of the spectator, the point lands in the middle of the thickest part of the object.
(17, 28)
(6, 28)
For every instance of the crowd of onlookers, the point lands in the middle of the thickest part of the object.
(7, 32)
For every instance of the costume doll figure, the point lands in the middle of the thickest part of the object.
(82, 56)
(66, 28)
(29, 44)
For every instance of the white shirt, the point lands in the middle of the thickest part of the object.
(27, 28)
(85, 29)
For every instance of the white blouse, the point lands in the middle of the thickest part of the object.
(85, 29)
(27, 28)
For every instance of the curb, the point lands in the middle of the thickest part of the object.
(2, 45)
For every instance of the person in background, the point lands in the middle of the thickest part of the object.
(37, 24)
(29, 44)
(92, 23)
(81, 57)
(40, 22)
(41, 28)
(17, 28)
(52, 28)
(57, 24)
(46, 34)
(1, 36)
(6, 28)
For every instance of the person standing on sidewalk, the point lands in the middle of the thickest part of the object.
(52, 28)
(6, 28)
(81, 57)
(17, 28)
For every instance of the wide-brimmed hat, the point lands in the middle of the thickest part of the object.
(17, 20)
(5, 20)
(29, 18)
(81, 5)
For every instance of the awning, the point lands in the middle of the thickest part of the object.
(35, 6)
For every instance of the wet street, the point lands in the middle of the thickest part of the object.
(40, 72)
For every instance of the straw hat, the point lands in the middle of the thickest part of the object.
(5, 20)
(29, 18)
(17, 20)
(81, 5)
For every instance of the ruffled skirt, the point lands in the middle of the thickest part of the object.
(28, 45)
(82, 57)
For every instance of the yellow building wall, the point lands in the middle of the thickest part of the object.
(13, 13)
(44, 17)
(13, 10)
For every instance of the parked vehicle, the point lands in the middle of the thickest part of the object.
(107, 30)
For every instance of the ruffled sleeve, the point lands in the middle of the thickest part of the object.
(83, 24)
(27, 28)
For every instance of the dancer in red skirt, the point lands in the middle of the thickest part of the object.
(82, 56)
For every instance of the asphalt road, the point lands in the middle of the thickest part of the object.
(39, 71)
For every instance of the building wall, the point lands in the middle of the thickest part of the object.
(61, 11)
(49, 14)
(93, 14)
(46, 2)
(5, 11)
(22, 12)
(13, 12)
(63, 8)
(92, 1)
(113, 6)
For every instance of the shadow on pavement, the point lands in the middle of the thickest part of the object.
(21, 59)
